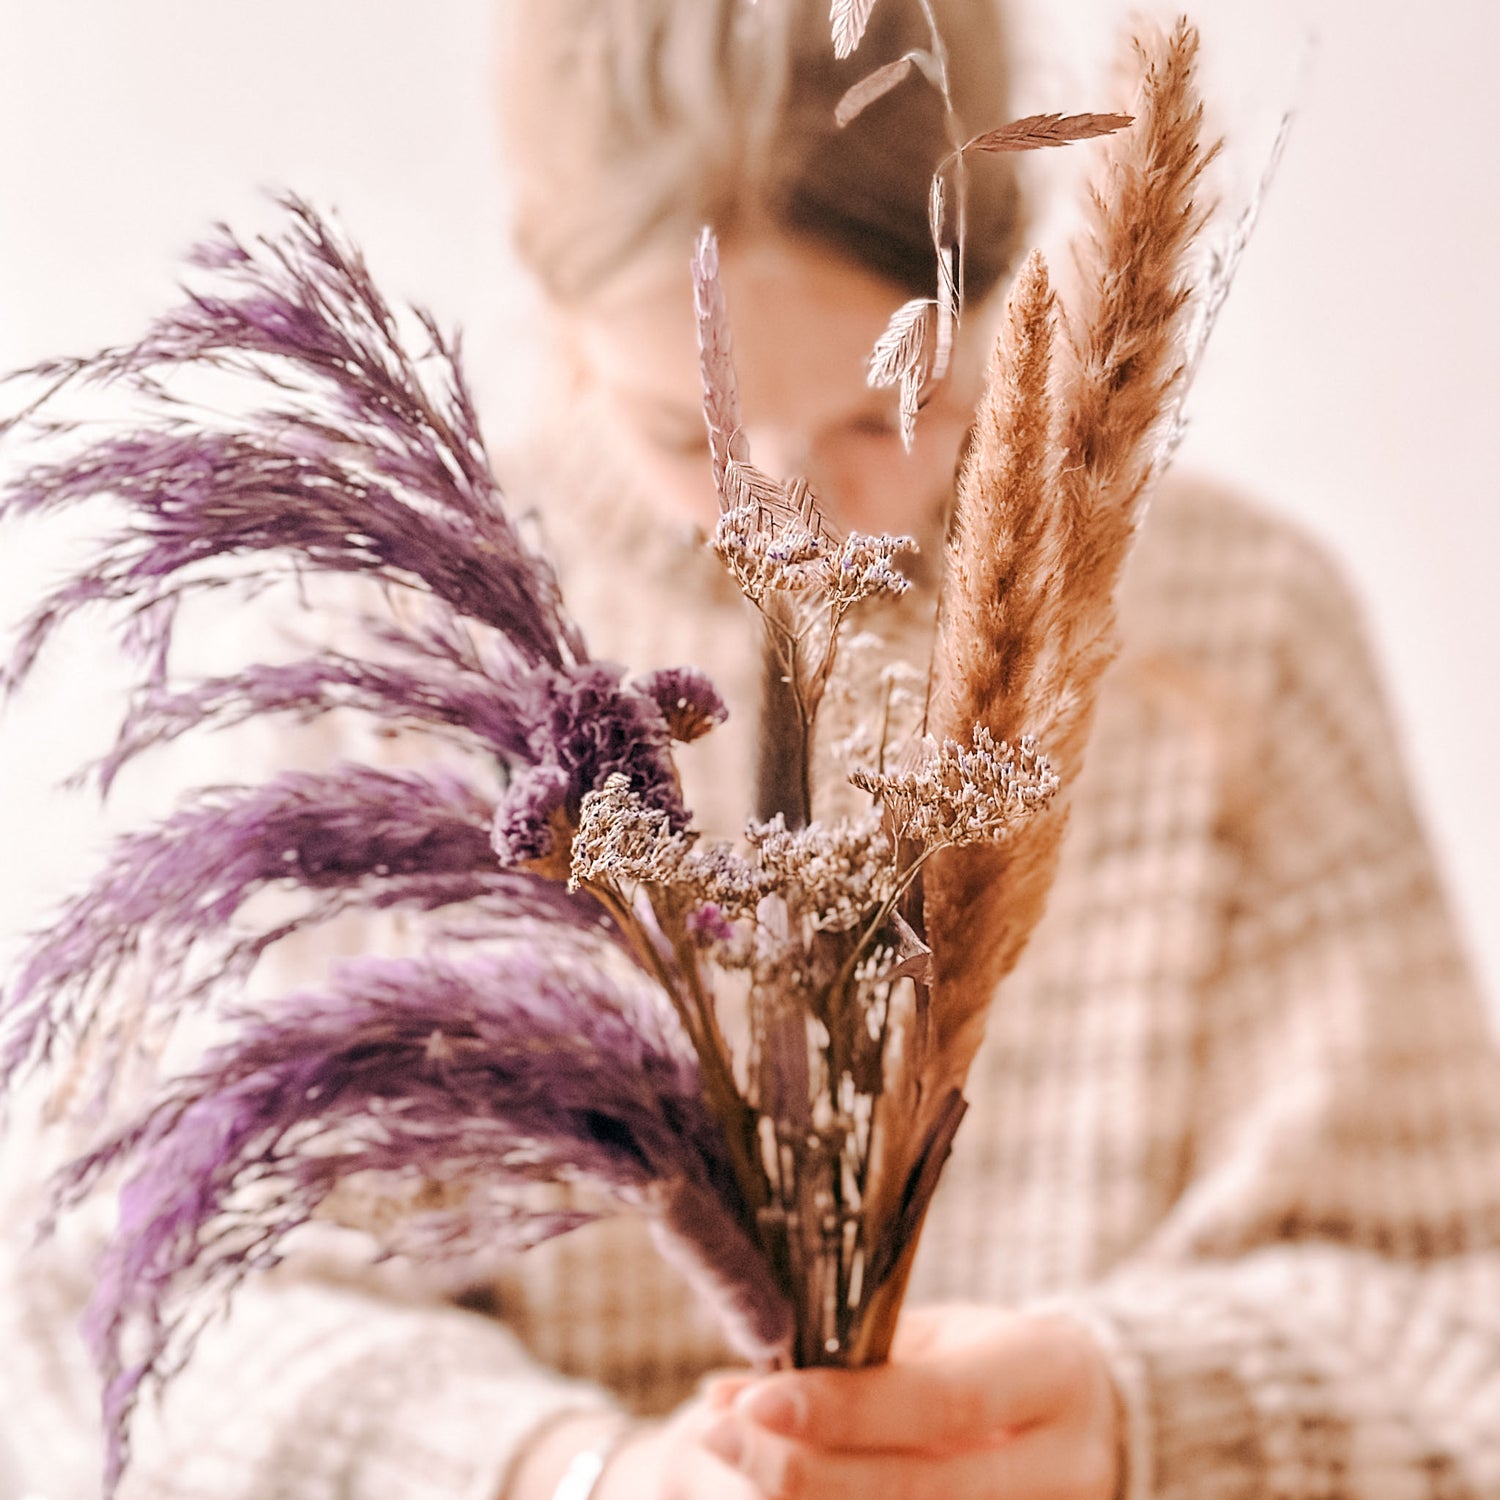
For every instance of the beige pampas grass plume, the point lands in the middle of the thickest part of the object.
(1080, 406)
(1068, 440)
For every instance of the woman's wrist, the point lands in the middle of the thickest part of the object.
(549, 1458)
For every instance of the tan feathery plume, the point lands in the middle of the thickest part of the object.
(995, 601)
(1078, 409)
(1029, 612)
(1005, 604)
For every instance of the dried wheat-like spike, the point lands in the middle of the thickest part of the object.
(1036, 131)
(1048, 506)
(721, 395)
(860, 96)
(899, 349)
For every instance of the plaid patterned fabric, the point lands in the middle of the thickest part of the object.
(1238, 1108)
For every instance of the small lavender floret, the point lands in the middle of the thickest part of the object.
(689, 702)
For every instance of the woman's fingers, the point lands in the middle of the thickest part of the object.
(1021, 1372)
(1045, 1464)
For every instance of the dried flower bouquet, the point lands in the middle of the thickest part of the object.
(584, 1042)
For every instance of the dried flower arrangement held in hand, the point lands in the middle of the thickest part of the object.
(586, 1041)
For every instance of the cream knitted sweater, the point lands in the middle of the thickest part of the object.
(1238, 1108)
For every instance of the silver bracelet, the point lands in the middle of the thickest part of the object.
(585, 1470)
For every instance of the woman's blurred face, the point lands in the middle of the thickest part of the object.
(803, 325)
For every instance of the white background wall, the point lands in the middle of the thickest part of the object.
(1352, 381)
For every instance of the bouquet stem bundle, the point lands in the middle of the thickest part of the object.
(1081, 406)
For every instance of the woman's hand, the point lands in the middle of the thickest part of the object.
(672, 1461)
(976, 1402)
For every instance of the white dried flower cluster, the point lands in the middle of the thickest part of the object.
(861, 568)
(773, 549)
(766, 555)
(839, 874)
(621, 841)
(964, 795)
(721, 876)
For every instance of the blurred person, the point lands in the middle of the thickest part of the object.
(1225, 1216)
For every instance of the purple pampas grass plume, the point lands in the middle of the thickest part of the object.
(371, 460)
(354, 457)
(551, 1061)
(476, 709)
(513, 1067)
(350, 837)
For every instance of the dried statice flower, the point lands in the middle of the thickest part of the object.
(861, 569)
(587, 724)
(690, 704)
(724, 879)
(964, 794)
(709, 923)
(834, 876)
(766, 556)
(530, 828)
(622, 841)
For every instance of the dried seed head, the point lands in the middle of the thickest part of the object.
(833, 876)
(962, 795)
(622, 841)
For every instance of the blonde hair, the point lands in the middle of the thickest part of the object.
(631, 123)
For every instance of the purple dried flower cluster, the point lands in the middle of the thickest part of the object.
(588, 724)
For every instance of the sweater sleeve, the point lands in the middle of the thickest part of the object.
(316, 1385)
(1320, 1313)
